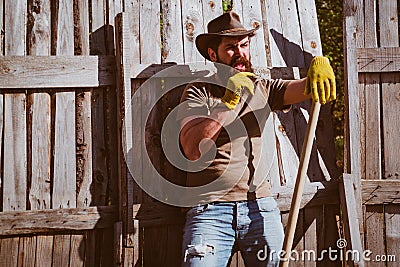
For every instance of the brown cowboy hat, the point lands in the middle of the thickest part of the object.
(227, 24)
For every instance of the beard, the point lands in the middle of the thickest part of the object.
(225, 72)
(241, 60)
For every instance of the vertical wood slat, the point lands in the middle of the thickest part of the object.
(2, 13)
(39, 103)
(125, 128)
(311, 40)
(389, 37)
(132, 7)
(172, 50)
(40, 128)
(84, 135)
(252, 16)
(273, 18)
(44, 246)
(292, 43)
(372, 101)
(15, 164)
(61, 248)
(64, 177)
(192, 23)
(374, 233)
(150, 30)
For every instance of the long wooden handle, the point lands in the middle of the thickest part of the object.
(300, 180)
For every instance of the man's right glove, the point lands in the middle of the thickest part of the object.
(321, 80)
(235, 86)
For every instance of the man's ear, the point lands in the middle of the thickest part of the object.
(212, 54)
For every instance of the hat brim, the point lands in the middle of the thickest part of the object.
(203, 40)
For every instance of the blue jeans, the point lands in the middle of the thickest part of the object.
(212, 230)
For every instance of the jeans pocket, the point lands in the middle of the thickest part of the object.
(197, 210)
(267, 204)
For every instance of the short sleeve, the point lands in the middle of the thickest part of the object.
(276, 92)
(194, 102)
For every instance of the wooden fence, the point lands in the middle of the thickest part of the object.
(373, 148)
(68, 198)
(58, 118)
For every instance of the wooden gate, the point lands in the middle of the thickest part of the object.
(58, 118)
(373, 147)
(152, 231)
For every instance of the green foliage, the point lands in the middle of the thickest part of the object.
(330, 20)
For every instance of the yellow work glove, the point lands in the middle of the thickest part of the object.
(321, 80)
(234, 87)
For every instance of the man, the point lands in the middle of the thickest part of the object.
(223, 128)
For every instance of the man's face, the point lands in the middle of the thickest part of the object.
(234, 52)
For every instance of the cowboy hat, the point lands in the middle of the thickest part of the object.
(227, 24)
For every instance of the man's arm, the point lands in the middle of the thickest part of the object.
(295, 92)
(198, 132)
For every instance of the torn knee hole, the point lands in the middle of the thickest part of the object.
(199, 250)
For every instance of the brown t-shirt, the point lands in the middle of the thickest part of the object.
(235, 164)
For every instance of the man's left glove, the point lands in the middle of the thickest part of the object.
(234, 87)
(321, 80)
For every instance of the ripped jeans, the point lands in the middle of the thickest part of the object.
(213, 230)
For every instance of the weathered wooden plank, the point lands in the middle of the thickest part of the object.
(172, 50)
(40, 147)
(351, 89)
(150, 30)
(348, 191)
(251, 18)
(27, 251)
(56, 71)
(61, 250)
(389, 37)
(192, 19)
(125, 128)
(370, 100)
(15, 164)
(44, 245)
(380, 191)
(118, 244)
(312, 233)
(98, 35)
(28, 222)
(373, 144)
(311, 40)
(128, 257)
(9, 252)
(84, 141)
(374, 232)
(132, 7)
(39, 110)
(2, 28)
(392, 221)
(39, 28)
(292, 45)
(383, 59)
(39, 123)
(275, 32)
(77, 254)
(64, 184)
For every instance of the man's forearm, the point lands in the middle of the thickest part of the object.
(295, 92)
